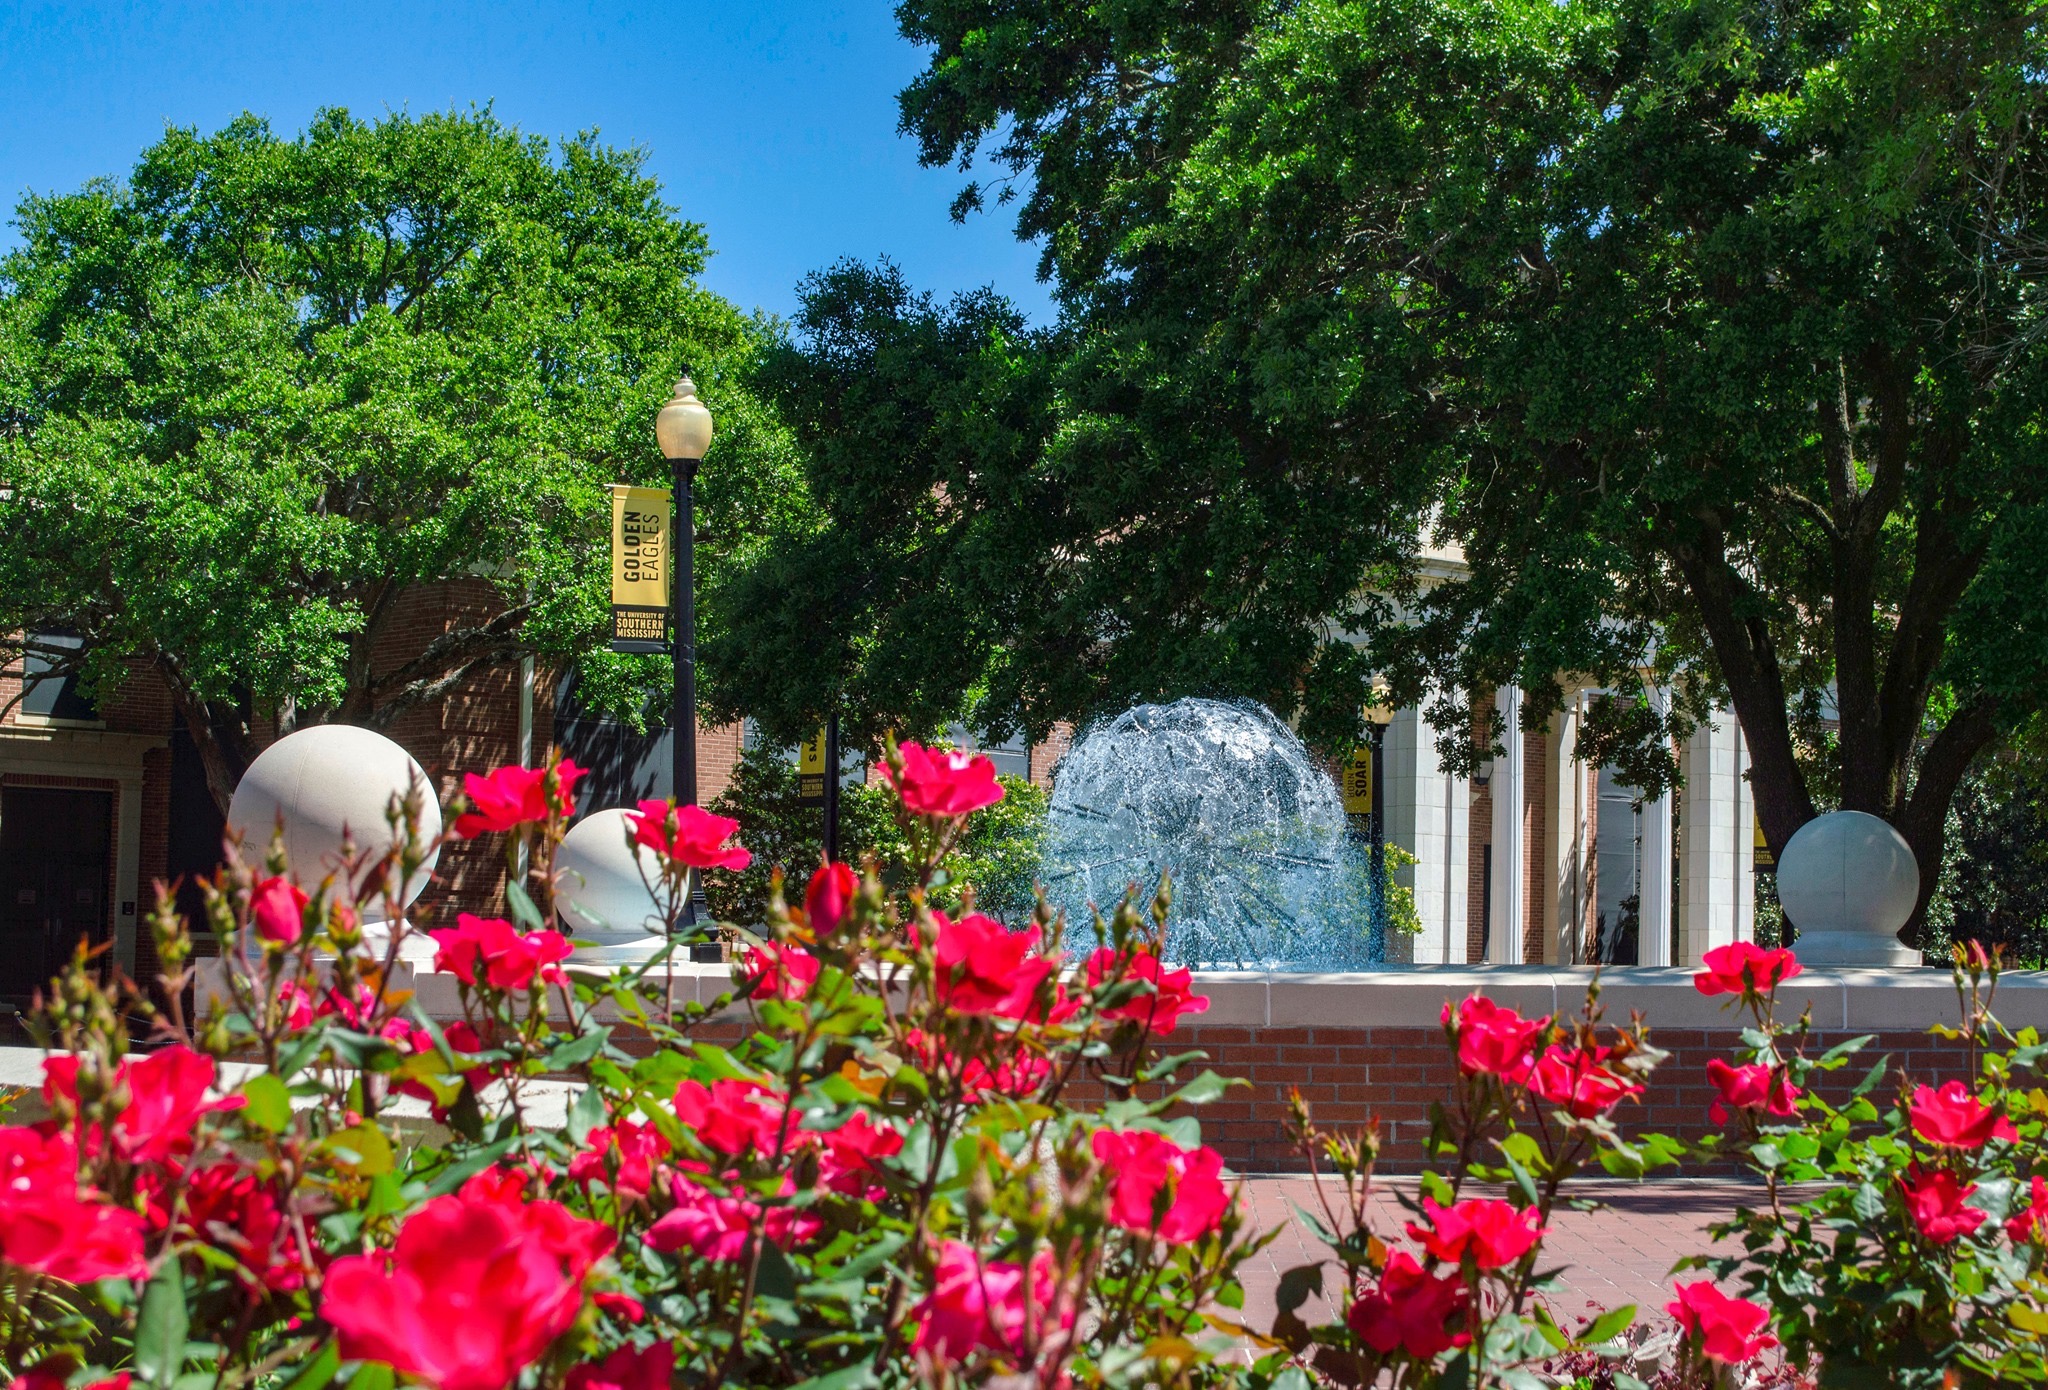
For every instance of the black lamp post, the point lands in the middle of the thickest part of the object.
(1378, 715)
(684, 429)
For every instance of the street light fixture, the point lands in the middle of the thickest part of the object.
(1379, 712)
(684, 430)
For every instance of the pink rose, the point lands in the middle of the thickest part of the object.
(1729, 1330)
(1743, 967)
(1494, 1233)
(1751, 1087)
(1492, 1040)
(1161, 1008)
(509, 797)
(688, 834)
(1410, 1311)
(982, 967)
(490, 950)
(277, 909)
(1952, 1118)
(1158, 1187)
(943, 781)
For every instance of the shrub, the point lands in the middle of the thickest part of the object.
(1901, 1236)
(881, 1181)
(999, 852)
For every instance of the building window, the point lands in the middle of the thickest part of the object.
(1618, 847)
(47, 692)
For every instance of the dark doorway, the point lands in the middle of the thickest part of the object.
(196, 829)
(55, 846)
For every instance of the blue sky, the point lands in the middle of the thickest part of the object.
(774, 125)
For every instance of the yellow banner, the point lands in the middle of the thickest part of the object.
(1356, 783)
(810, 770)
(642, 546)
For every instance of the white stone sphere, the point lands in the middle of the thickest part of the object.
(1848, 882)
(330, 782)
(599, 891)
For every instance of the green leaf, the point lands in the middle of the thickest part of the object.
(521, 905)
(161, 1324)
(1610, 1324)
(268, 1102)
(1207, 1088)
(774, 1277)
(372, 1375)
(586, 1113)
(317, 1373)
(574, 1053)
(858, 1376)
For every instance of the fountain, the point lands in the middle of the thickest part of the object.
(1223, 796)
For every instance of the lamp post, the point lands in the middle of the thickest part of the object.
(684, 430)
(1378, 714)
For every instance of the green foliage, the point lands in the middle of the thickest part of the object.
(999, 853)
(1856, 1282)
(1706, 335)
(828, 1195)
(257, 396)
(887, 597)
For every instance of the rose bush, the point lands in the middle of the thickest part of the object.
(1899, 1238)
(880, 1179)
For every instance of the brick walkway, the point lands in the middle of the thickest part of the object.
(1620, 1254)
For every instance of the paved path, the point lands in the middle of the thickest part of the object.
(1620, 1254)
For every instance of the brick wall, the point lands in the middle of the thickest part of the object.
(1351, 1076)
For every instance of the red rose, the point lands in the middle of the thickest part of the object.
(779, 971)
(1744, 967)
(1495, 1233)
(1410, 1310)
(277, 909)
(510, 797)
(2031, 1222)
(648, 1368)
(980, 1303)
(476, 1289)
(622, 1306)
(1730, 1330)
(716, 1225)
(229, 1208)
(731, 1116)
(621, 1156)
(490, 950)
(1158, 1187)
(41, 1379)
(166, 1096)
(1934, 1199)
(982, 967)
(943, 781)
(688, 834)
(1016, 1077)
(830, 897)
(1579, 1081)
(1492, 1040)
(1952, 1118)
(1751, 1087)
(1161, 1007)
(848, 1161)
(56, 1232)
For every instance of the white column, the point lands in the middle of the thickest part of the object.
(1504, 931)
(1653, 872)
(1564, 838)
(1712, 911)
(1427, 815)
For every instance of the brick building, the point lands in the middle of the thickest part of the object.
(99, 803)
